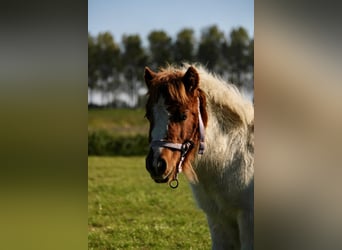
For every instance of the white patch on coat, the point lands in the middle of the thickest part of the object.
(161, 120)
(159, 131)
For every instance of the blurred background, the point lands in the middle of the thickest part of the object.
(44, 102)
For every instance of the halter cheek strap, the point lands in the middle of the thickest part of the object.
(184, 148)
(201, 130)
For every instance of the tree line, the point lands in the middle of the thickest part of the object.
(116, 69)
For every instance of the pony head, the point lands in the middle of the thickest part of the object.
(176, 109)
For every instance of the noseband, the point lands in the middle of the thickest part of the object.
(184, 147)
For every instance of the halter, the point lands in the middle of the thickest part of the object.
(184, 148)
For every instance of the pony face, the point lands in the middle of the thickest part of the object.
(173, 112)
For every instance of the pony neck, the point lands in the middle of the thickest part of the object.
(226, 136)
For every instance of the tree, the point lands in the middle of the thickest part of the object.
(184, 46)
(160, 48)
(92, 66)
(108, 57)
(134, 59)
(250, 60)
(113, 70)
(238, 52)
(209, 51)
(133, 54)
(109, 54)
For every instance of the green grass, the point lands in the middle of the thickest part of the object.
(127, 210)
(118, 121)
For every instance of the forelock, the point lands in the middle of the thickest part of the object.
(168, 83)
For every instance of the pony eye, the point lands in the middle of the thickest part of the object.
(179, 117)
(182, 117)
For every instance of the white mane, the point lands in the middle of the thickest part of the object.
(226, 169)
(222, 93)
(225, 94)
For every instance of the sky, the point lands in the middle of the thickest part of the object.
(143, 16)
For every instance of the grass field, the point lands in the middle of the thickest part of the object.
(127, 210)
(118, 121)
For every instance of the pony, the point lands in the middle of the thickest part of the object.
(202, 126)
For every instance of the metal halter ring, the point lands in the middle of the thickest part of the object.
(175, 183)
(186, 147)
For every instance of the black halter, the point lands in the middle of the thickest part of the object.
(184, 147)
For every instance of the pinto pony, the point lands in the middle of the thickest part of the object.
(203, 127)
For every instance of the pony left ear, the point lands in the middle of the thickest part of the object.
(191, 79)
(148, 75)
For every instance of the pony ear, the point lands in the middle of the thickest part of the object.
(191, 79)
(148, 75)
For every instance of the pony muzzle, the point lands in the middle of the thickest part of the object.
(157, 168)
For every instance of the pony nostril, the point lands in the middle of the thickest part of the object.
(148, 162)
(161, 166)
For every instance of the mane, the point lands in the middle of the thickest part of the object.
(218, 92)
(168, 83)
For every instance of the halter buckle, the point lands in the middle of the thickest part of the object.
(186, 146)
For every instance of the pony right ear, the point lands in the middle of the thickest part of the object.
(191, 79)
(148, 75)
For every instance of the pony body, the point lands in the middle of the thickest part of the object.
(225, 172)
(223, 185)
